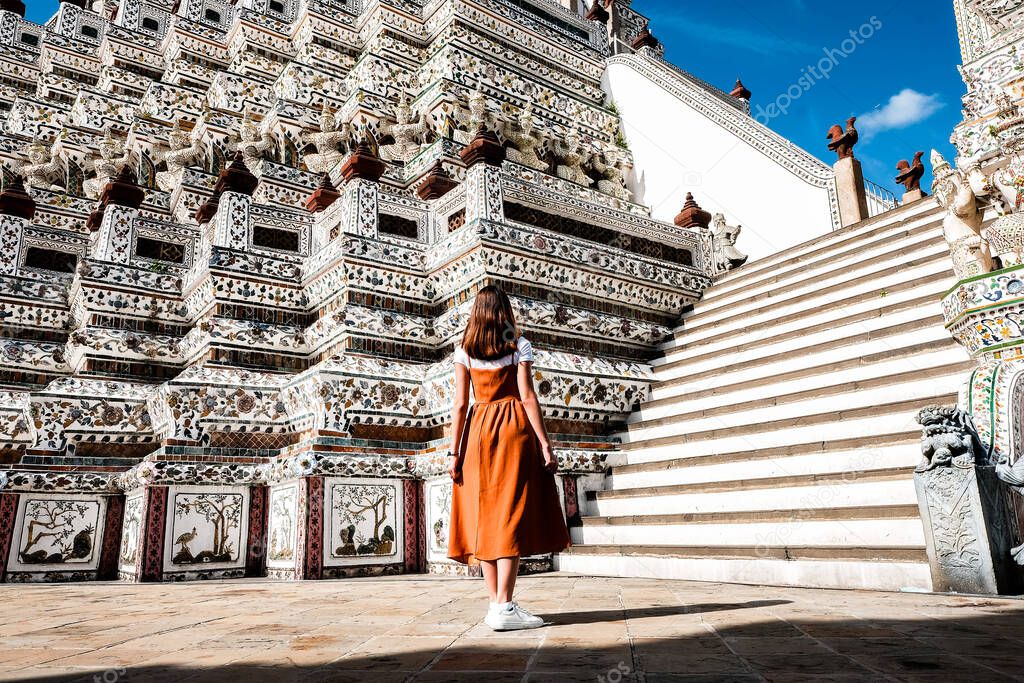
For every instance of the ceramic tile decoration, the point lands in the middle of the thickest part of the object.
(438, 494)
(282, 546)
(207, 530)
(131, 533)
(363, 522)
(60, 535)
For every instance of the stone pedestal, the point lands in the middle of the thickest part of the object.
(913, 196)
(853, 198)
(968, 530)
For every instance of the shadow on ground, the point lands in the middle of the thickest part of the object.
(599, 616)
(691, 643)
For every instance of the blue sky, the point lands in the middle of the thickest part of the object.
(902, 80)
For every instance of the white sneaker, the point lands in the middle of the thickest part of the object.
(513, 618)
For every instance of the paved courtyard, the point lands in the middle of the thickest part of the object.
(428, 629)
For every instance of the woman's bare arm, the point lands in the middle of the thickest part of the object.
(534, 413)
(460, 406)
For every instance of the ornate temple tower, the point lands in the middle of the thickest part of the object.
(240, 241)
(991, 36)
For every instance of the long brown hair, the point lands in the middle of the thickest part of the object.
(491, 333)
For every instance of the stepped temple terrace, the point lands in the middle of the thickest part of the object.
(240, 244)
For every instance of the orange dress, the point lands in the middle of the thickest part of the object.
(506, 504)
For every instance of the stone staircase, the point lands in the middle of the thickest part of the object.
(779, 443)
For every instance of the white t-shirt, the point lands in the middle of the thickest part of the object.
(523, 354)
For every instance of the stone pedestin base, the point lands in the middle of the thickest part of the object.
(913, 196)
(968, 531)
(853, 198)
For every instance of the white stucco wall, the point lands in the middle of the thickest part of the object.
(685, 139)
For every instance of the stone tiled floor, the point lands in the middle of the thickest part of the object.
(428, 629)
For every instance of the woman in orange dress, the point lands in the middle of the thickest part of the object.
(504, 500)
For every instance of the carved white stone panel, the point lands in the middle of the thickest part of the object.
(207, 528)
(363, 522)
(131, 532)
(283, 533)
(439, 509)
(57, 532)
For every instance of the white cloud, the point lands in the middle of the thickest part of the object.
(903, 109)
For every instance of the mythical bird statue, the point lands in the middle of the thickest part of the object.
(843, 141)
(910, 174)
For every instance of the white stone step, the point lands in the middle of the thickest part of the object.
(924, 294)
(680, 380)
(866, 574)
(919, 389)
(821, 247)
(872, 489)
(889, 419)
(851, 460)
(836, 336)
(799, 532)
(779, 443)
(833, 378)
(914, 302)
(671, 392)
(768, 319)
(872, 278)
(902, 244)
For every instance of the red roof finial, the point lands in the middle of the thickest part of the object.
(363, 163)
(597, 12)
(323, 196)
(692, 216)
(740, 91)
(645, 39)
(437, 183)
(16, 201)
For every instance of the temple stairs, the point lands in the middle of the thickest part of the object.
(779, 442)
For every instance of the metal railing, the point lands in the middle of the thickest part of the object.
(880, 200)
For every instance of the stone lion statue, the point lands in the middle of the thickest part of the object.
(949, 439)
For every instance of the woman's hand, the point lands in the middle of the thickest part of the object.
(454, 463)
(550, 460)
